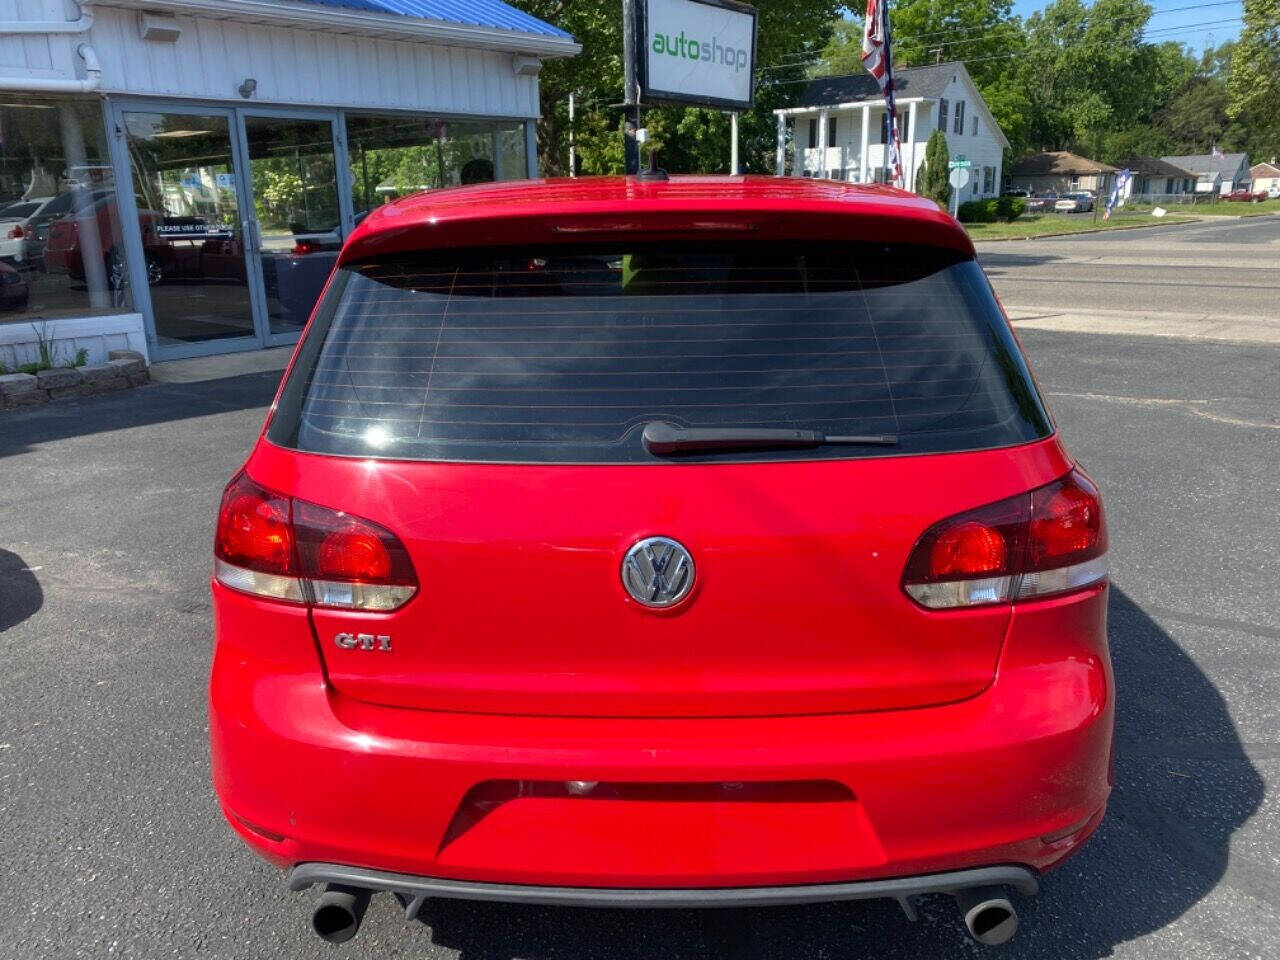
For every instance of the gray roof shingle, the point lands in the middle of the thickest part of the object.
(1201, 164)
(928, 81)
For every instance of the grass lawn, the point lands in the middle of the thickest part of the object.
(1036, 225)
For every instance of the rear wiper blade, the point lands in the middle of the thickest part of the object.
(662, 438)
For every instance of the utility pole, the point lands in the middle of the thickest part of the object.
(734, 170)
(631, 87)
(573, 160)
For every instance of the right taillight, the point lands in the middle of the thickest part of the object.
(1050, 540)
(16, 232)
(278, 547)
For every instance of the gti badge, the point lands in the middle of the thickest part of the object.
(363, 641)
(658, 572)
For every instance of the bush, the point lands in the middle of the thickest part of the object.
(931, 181)
(978, 211)
(1010, 209)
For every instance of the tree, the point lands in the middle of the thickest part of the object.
(1088, 72)
(933, 181)
(689, 139)
(1253, 85)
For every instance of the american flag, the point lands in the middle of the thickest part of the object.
(878, 59)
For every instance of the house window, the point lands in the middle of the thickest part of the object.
(959, 127)
(942, 115)
(988, 179)
(884, 127)
(975, 126)
(831, 131)
(1075, 182)
(813, 133)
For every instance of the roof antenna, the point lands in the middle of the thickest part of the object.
(653, 171)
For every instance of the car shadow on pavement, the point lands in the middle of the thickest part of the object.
(1184, 784)
(20, 593)
(24, 428)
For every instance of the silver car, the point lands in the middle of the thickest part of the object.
(1079, 202)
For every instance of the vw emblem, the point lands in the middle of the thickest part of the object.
(658, 572)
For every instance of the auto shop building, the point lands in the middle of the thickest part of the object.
(176, 176)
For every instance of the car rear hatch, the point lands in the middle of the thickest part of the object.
(487, 407)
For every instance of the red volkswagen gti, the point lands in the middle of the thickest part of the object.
(648, 542)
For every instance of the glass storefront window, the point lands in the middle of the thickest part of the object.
(61, 247)
(392, 156)
(185, 187)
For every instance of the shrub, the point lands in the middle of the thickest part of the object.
(1010, 209)
(978, 211)
(932, 182)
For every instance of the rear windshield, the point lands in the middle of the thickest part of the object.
(563, 354)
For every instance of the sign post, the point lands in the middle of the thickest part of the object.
(958, 179)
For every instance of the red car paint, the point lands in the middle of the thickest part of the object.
(798, 719)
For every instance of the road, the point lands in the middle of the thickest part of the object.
(1140, 281)
(111, 842)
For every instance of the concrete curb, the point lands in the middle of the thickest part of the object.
(1182, 221)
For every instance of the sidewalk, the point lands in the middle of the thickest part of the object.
(1181, 325)
(221, 366)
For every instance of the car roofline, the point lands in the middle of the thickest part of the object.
(698, 208)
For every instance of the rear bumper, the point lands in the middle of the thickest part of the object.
(1018, 775)
(415, 889)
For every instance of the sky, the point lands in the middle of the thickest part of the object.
(1197, 25)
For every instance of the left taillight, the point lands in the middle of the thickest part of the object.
(286, 549)
(1048, 541)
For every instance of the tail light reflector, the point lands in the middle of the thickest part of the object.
(288, 549)
(16, 232)
(1050, 540)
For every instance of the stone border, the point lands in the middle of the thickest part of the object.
(124, 369)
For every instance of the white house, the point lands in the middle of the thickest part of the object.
(1215, 172)
(178, 175)
(1266, 176)
(839, 129)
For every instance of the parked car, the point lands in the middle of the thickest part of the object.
(1273, 193)
(14, 291)
(57, 207)
(16, 229)
(1246, 195)
(1015, 193)
(670, 571)
(1078, 202)
(1041, 201)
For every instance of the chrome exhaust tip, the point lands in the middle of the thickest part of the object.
(988, 915)
(337, 914)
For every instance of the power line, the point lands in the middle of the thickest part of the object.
(1190, 28)
(920, 37)
(1159, 33)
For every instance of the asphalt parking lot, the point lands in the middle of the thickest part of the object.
(111, 842)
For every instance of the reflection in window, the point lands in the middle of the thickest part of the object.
(393, 156)
(61, 252)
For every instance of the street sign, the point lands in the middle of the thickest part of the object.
(960, 163)
(959, 177)
(697, 51)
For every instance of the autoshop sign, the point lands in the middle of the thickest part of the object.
(697, 51)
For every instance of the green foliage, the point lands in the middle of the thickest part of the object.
(82, 357)
(978, 211)
(1253, 86)
(1010, 209)
(932, 179)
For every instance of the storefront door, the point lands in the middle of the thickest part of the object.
(239, 219)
